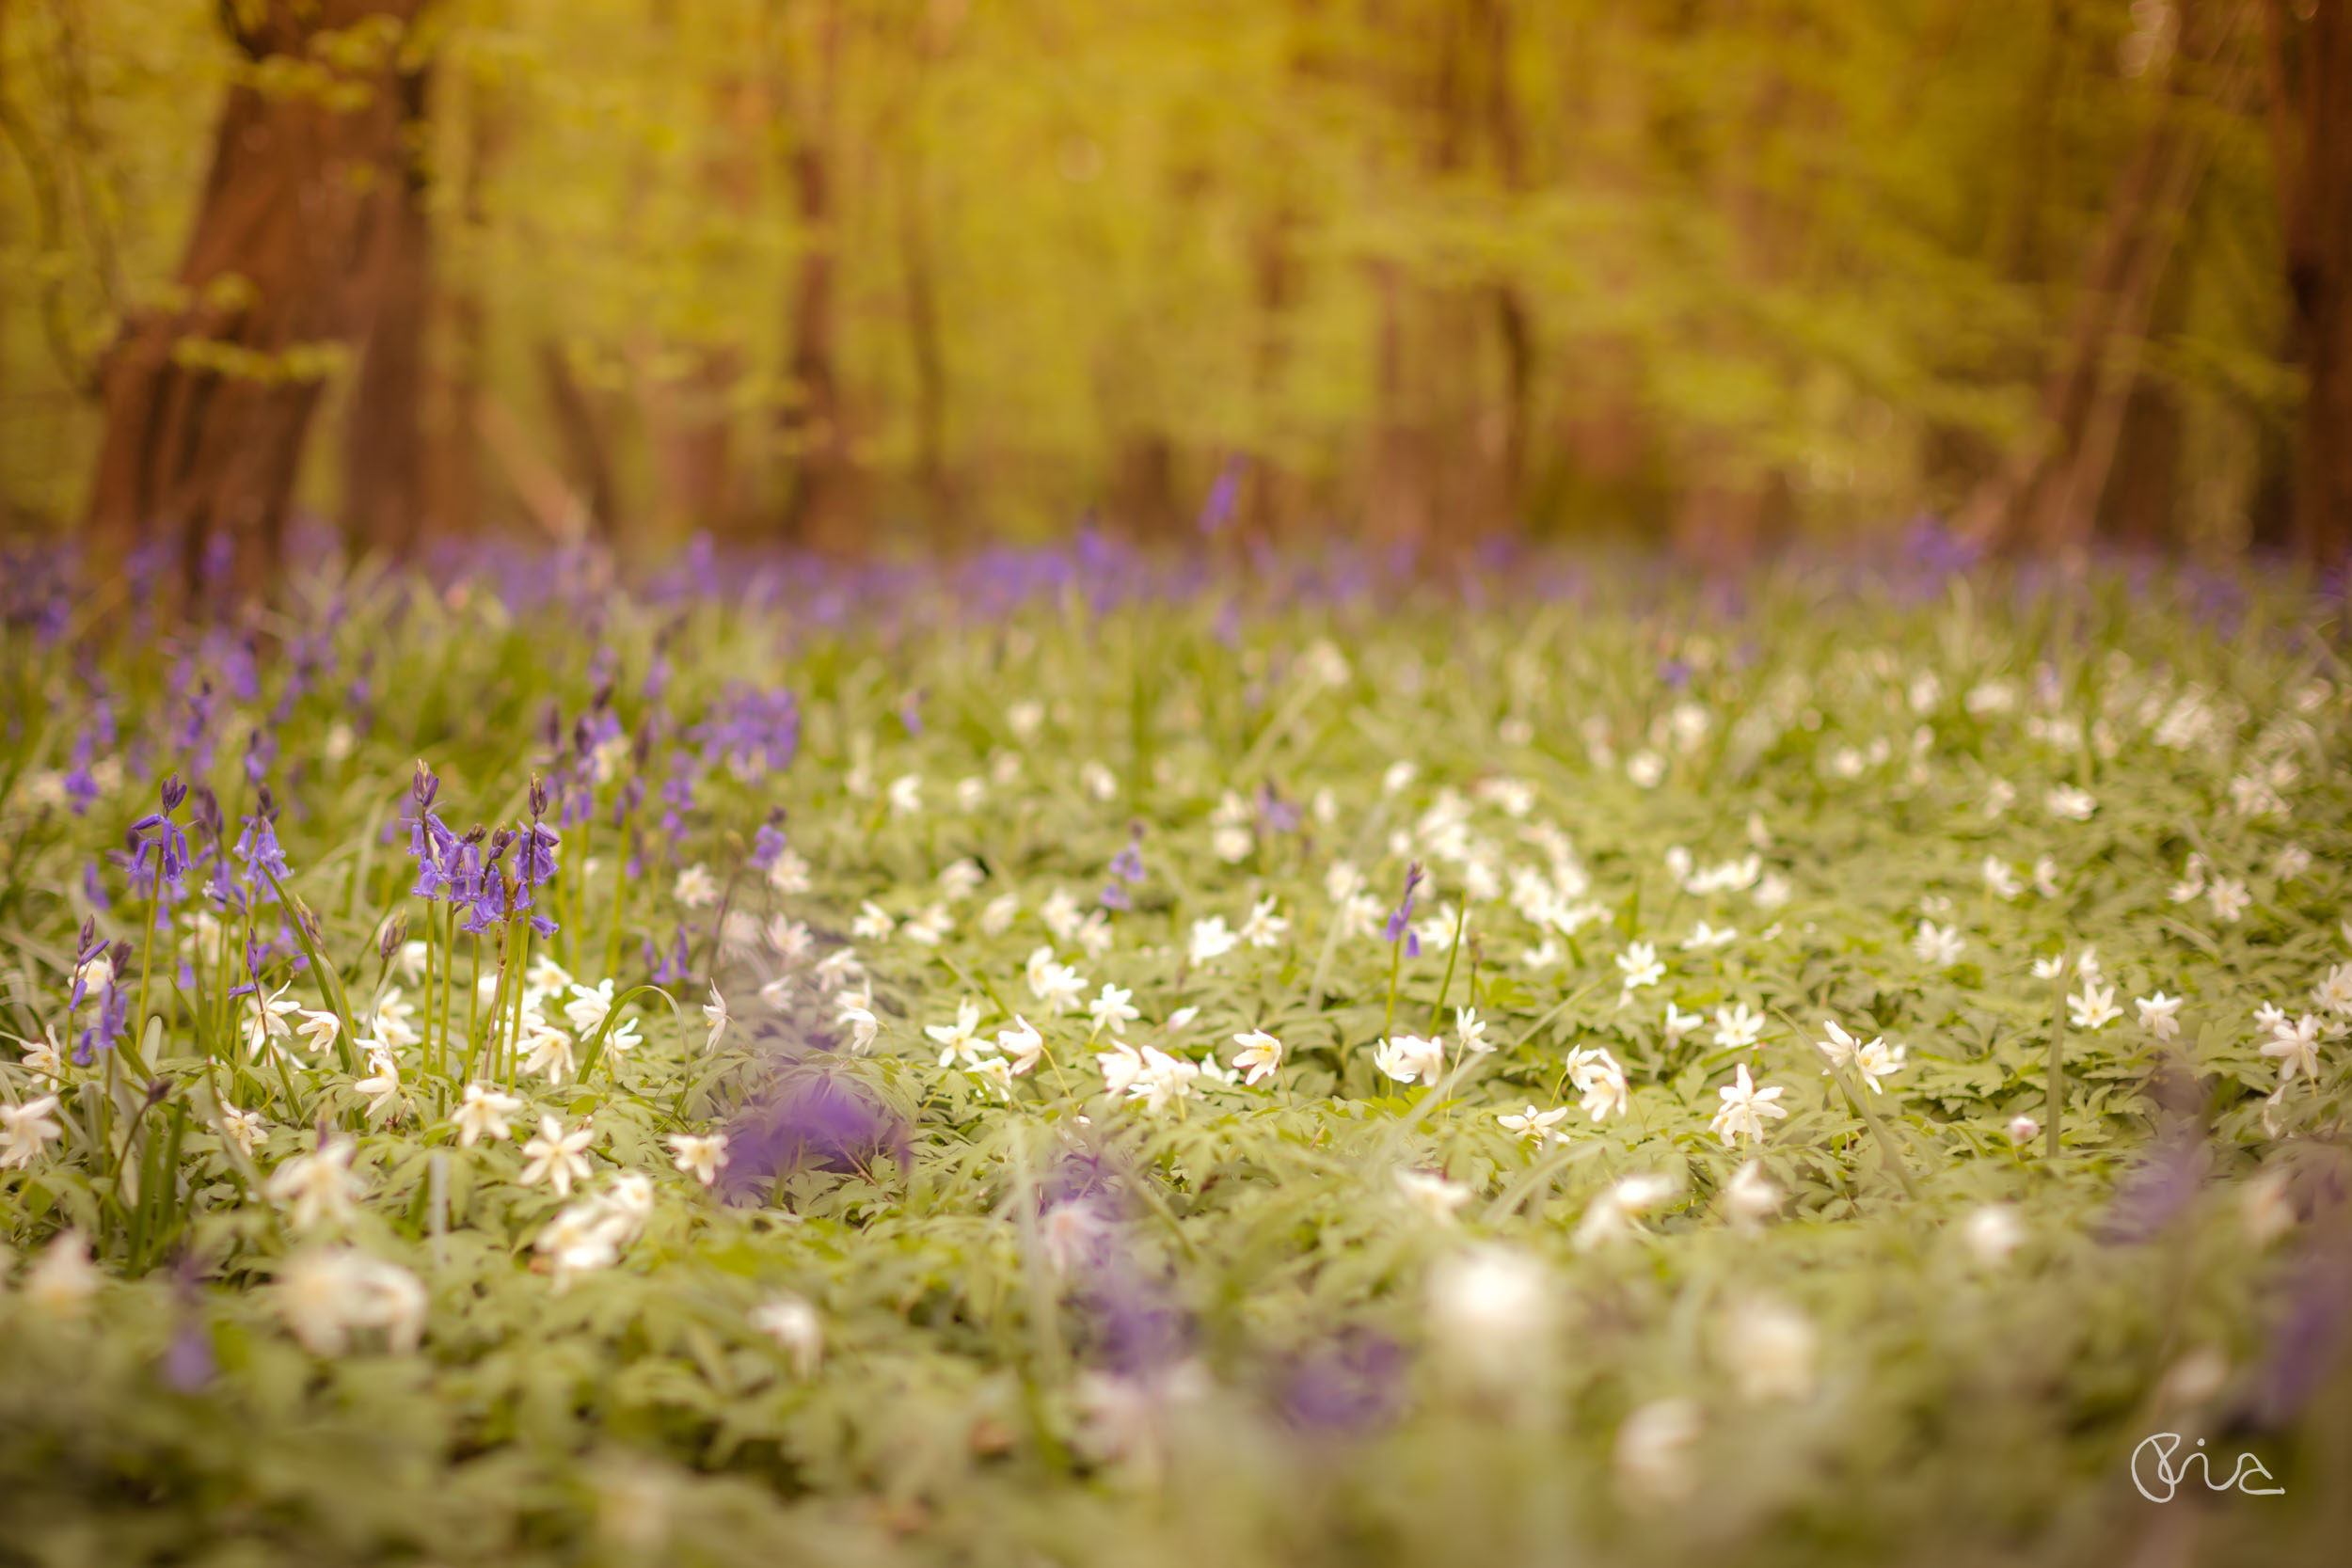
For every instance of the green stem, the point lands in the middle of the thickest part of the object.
(1436, 1009)
(2053, 1108)
(147, 966)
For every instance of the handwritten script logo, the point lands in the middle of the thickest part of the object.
(2159, 1478)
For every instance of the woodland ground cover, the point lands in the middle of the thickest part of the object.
(1065, 1058)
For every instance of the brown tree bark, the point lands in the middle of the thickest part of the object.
(386, 474)
(208, 402)
(2312, 123)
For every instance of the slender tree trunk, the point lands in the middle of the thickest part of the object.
(821, 512)
(458, 375)
(207, 403)
(2315, 180)
(583, 436)
(692, 417)
(385, 494)
(924, 342)
(2047, 495)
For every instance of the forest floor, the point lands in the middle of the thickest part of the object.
(1060, 1060)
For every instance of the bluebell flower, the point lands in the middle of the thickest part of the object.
(261, 750)
(1401, 918)
(1224, 495)
(1127, 866)
(767, 846)
(159, 852)
(753, 732)
(258, 849)
(81, 788)
(1279, 815)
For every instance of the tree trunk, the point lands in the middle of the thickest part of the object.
(2047, 496)
(820, 512)
(385, 469)
(207, 402)
(2316, 182)
(584, 452)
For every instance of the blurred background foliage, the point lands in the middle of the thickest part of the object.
(897, 274)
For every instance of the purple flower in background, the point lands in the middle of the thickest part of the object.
(911, 712)
(81, 788)
(678, 792)
(675, 964)
(261, 750)
(767, 846)
(1279, 815)
(2308, 1340)
(94, 889)
(1224, 495)
(2153, 1193)
(188, 1366)
(1115, 897)
(1676, 672)
(753, 732)
(1349, 1386)
(1127, 866)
